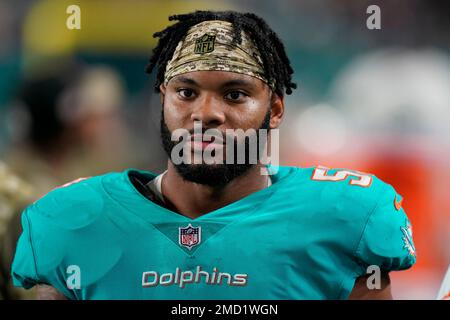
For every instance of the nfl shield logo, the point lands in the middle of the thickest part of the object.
(189, 236)
(204, 44)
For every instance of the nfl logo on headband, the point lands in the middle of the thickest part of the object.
(204, 44)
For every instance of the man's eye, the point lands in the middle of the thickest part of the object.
(186, 93)
(235, 95)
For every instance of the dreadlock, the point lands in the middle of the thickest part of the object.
(276, 63)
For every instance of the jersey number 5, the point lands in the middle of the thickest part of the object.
(357, 178)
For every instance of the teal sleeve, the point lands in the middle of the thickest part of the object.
(36, 256)
(387, 237)
(23, 270)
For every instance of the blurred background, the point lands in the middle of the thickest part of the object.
(77, 103)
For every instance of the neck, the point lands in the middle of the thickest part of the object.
(194, 200)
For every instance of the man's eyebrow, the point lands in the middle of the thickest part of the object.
(185, 80)
(238, 82)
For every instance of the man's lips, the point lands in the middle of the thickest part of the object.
(217, 138)
(203, 141)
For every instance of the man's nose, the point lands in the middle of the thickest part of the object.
(209, 110)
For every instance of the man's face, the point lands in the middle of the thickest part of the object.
(218, 100)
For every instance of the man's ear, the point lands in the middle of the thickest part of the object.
(162, 92)
(276, 110)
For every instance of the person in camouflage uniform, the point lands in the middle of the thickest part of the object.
(15, 195)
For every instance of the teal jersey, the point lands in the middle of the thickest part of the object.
(307, 236)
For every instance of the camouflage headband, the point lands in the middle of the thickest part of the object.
(208, 47)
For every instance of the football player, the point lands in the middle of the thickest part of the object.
(213, 230)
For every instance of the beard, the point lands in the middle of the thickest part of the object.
(215, 175)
